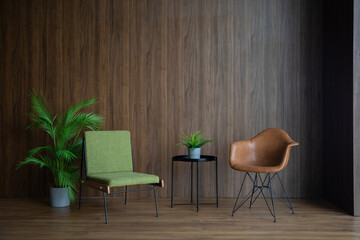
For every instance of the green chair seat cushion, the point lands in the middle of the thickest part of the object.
(118, 179)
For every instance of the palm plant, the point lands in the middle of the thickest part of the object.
(65, 129)
(193, 141)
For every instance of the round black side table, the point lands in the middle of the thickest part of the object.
(185, 158)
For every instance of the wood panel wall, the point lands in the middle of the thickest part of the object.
(160, 68)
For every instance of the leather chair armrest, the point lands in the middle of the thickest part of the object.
(240, 151)
(292, 144)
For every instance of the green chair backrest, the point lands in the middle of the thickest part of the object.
(108, 151)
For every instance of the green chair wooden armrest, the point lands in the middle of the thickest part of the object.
(108, 162)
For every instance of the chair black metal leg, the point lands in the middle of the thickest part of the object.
(172, 182)
(262, 193)
(272, 198)
(106, 219)
(247, 196)
(253, 189)
(290, 206)
(80, 195)
(156, 205)
(125, 194)
(242, 184)
(260, 188)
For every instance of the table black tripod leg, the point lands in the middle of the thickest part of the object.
(172, 182)
(197, 185)
(191, 183)
(217, 189)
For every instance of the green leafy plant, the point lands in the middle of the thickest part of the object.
(193, 141)
(60, 157)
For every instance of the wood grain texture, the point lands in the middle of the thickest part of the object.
(161, 68)
(33, 219)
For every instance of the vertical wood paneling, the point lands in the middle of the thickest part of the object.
(161, 68)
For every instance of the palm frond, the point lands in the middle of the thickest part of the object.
(34, 151)
(73, 128)
(65, 154)
(68, 179)
(70, 115)
(41, 116)
(75, 146)
(39, 106)
(47, 161)
(90, 120)
(32, 161)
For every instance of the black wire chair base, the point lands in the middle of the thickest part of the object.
(259, 185)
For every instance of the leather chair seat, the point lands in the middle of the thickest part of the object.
(255, 167)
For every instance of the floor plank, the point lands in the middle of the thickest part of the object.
(34, 219)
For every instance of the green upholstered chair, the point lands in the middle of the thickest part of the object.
(108, 160)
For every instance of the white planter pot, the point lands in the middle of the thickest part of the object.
(194, 153)
(59, 197)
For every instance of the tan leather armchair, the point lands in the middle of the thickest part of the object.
(268, 153)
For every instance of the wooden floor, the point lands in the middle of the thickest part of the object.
(34, 219)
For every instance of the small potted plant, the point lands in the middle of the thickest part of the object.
(194, 143)
(61, 156)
